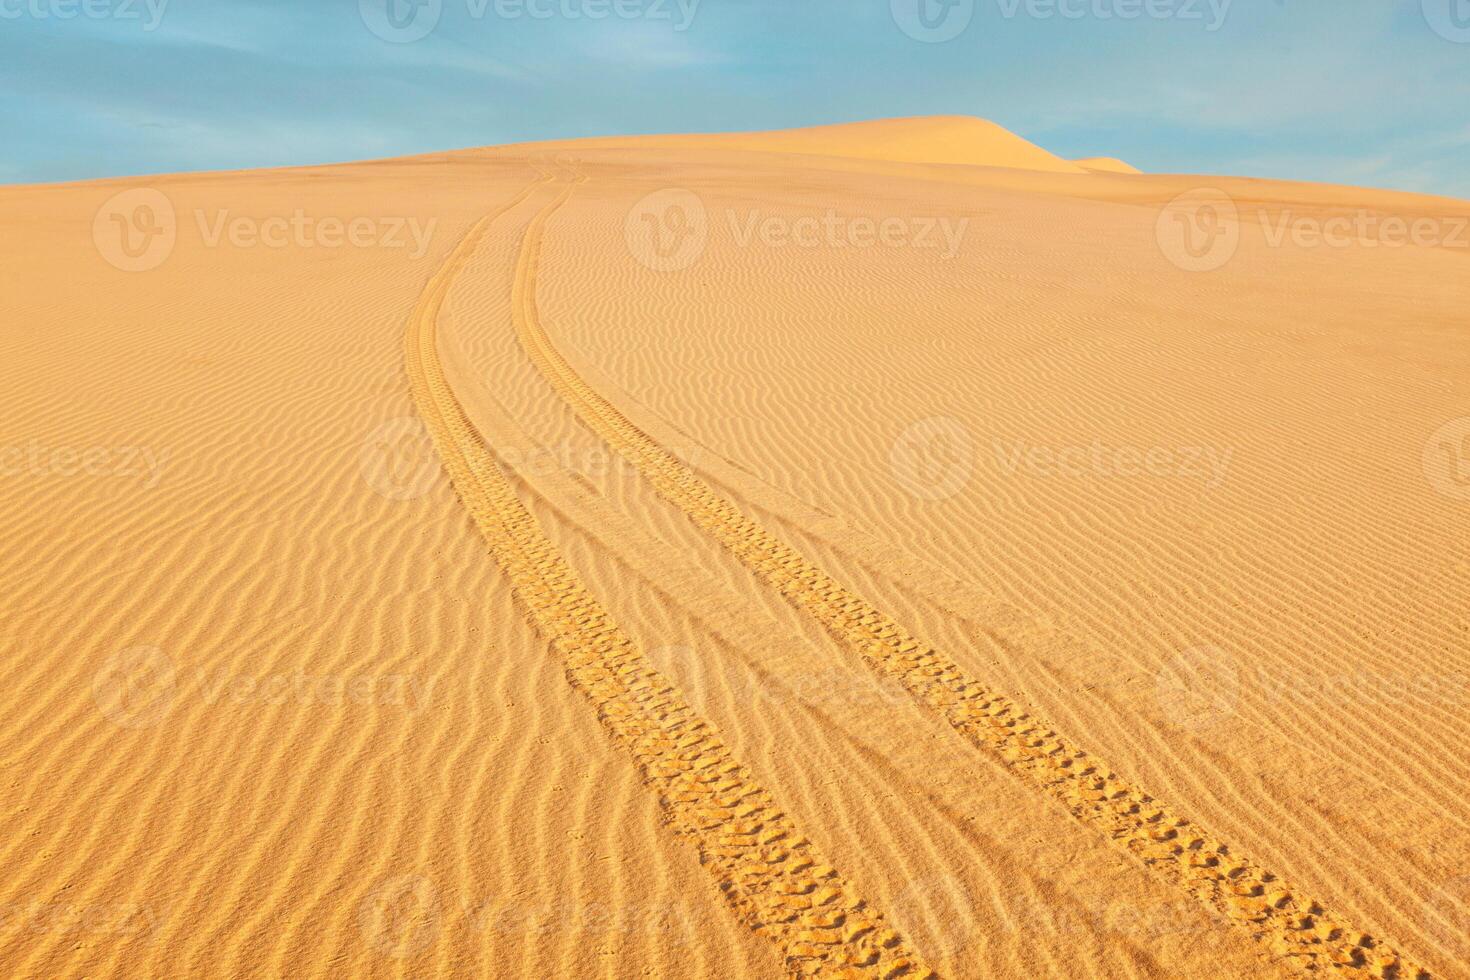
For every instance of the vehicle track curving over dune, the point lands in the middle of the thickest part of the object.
(773, 876)
(1294, 929)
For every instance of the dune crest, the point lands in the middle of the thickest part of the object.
(961, 140)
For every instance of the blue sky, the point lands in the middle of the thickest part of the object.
(1373, 92)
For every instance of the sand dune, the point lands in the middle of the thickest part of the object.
(885, 548)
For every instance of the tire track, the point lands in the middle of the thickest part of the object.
(1294, 929)
(773, 876)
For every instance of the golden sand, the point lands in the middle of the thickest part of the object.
(886, 548)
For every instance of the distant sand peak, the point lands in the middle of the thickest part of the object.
(961, 140)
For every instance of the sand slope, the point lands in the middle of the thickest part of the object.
(571, 599)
